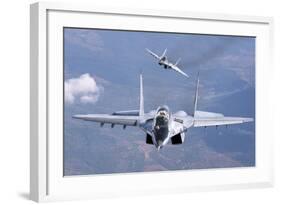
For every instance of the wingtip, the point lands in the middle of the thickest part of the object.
(77, 116)
(249, 119)
(246, 119)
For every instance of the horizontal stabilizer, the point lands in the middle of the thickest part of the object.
(127, 113)
(203, 114)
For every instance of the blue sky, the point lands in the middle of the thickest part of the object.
(101, 71)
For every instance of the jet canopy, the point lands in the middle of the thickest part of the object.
(162, 117)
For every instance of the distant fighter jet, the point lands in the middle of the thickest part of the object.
(161, 126)
(163, 60)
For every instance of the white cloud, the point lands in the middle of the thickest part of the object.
(88, 98)
(83, 88)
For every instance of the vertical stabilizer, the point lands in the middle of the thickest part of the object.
(164, 53)
(141, 113)
(196, 96)
(177, 61)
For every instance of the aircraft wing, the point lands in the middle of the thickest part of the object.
(176, 68)
(111, 119)
(204, 119)
(216, 121)
(153, 54)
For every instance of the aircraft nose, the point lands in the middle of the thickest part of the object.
(159, 147)
(159, 144)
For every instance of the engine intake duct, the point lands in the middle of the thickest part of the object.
(149, 139)
(177, 139)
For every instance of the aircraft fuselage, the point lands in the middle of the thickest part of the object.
(164, 61)
(161, 125)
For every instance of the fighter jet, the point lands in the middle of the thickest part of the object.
(161, 125)
(163, 60)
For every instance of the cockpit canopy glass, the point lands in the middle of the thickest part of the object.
(162, 117)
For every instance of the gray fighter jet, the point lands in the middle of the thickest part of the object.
(162, 126)
(163, 61)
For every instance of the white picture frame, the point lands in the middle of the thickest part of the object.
(46, 179)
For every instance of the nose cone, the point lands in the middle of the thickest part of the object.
(159, 144)
(159, 147)
(160, 136)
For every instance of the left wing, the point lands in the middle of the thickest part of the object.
(153, 54)
(112, 119)
(176, 68)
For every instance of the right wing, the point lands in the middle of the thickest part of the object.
(205, 119)
(176, 68)
(153, 54)
(111, 119)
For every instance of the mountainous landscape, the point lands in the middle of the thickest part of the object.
(111, 61)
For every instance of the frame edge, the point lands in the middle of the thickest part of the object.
(38, 103)
(38, 21)
(34, 175)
